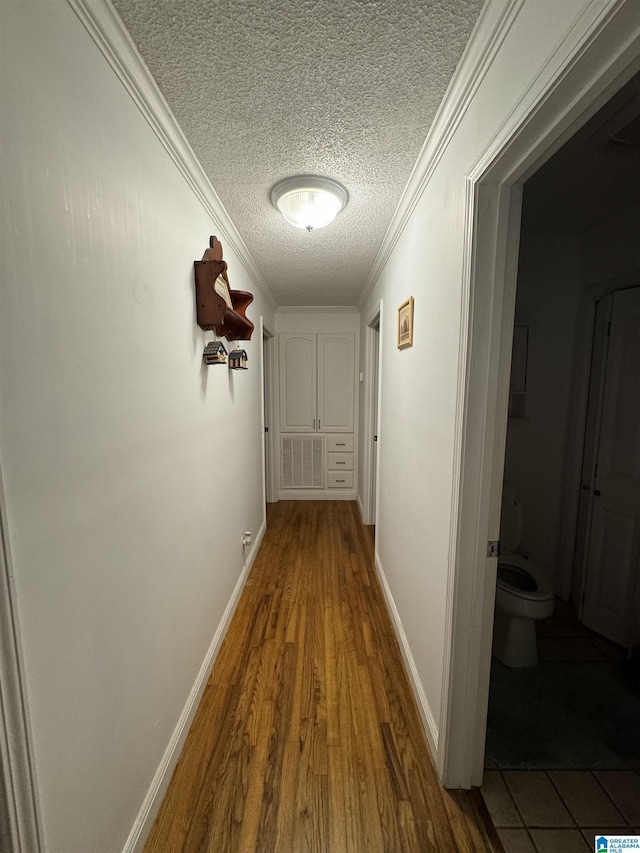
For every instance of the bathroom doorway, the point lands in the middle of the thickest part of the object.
(574, 404)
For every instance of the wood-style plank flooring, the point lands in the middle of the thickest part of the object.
(307, 737)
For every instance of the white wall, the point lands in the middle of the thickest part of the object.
(130, 469)
(423, 257)
(318, 321)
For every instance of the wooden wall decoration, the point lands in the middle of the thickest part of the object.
(219, 308)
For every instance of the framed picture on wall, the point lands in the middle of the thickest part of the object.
(405, 324)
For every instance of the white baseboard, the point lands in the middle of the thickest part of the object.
(361, 509)
(431, 730)
(153, 800)
(309, 495)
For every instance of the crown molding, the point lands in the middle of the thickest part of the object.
(492, 27)
(596, 19)
(102, 23)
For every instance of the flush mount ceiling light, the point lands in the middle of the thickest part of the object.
(307, 201)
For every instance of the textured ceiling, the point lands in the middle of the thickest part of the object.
(265, 89)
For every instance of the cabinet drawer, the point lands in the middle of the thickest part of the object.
(341, 443)
(340, 461)
(340, 479)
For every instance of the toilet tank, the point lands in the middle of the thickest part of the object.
(511, 521)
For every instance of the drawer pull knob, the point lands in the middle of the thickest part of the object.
(341, 463)
(339, 481)
(340, 443)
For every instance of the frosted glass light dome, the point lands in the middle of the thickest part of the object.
(309, 202)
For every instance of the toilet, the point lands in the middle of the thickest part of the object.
(524, 592)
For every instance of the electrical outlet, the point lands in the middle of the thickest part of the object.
(246, 538)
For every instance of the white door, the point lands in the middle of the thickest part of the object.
(590, 450)
(336, 364)
(374, 420)
(613, 549)
(266, 414)
(297, 383)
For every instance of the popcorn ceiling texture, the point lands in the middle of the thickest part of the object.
(272, 88)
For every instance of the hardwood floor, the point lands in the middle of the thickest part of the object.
(307, 737)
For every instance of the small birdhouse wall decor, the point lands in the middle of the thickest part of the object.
(215, 353)
(238, 360)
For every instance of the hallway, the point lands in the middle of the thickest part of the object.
(307, 737)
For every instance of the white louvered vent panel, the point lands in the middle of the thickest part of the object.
(287, 463)
(318, 463)
(302, 462)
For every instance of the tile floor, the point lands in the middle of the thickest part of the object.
(561, 811)
(562, 639)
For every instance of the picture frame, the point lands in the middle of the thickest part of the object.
(405, 324)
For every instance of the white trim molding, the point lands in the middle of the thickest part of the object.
(151, 805)
(490, 258)
(102, 23)
(308, 495)
(17, 764)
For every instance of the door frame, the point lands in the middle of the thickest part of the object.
(369, 502)
(599, 54)
(268, 398)
(16, 748)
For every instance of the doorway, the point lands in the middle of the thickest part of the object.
(566, 249)
(269, 488)
(550, 116)
(369, 436)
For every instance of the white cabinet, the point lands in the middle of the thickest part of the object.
(335, 382)
(298, 384)
(317, 382)
(317, 396)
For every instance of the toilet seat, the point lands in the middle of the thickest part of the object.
(544, 587)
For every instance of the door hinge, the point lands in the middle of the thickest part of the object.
(493, 548)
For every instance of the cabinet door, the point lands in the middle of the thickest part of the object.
(297, 383)
(336, 364)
